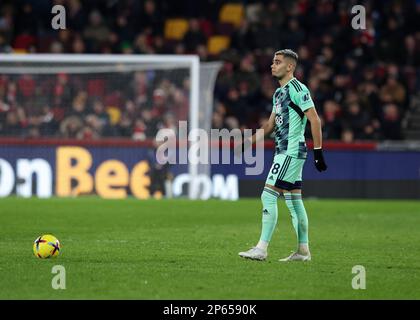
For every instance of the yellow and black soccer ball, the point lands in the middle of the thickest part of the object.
(46, 246)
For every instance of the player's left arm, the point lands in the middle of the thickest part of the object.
(303, 99)
(316, 131)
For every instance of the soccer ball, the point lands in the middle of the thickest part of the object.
(46, 246)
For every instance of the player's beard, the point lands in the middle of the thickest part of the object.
(280, 76)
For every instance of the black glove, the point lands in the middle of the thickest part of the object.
(319, 160)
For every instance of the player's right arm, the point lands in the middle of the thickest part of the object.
(266, 129)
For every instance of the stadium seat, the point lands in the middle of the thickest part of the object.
(175, 29)
(217, 44)
(114, 114)
(232, 13)
(20, 51)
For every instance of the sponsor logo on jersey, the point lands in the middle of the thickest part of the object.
(278, 106)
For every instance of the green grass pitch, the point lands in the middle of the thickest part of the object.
(180, 249)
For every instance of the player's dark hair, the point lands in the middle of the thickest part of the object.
(288, 53)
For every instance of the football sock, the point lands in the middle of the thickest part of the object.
(303, 249)
(299, 219)
(262, 245)
(269, 215)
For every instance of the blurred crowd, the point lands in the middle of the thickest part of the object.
(90, 106)
(362, 81)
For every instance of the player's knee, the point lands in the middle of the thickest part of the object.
(269, 195)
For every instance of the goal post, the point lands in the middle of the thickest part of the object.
(110, 77)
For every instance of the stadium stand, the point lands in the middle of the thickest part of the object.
(365, 82)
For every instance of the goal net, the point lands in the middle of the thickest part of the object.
(106, 97)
